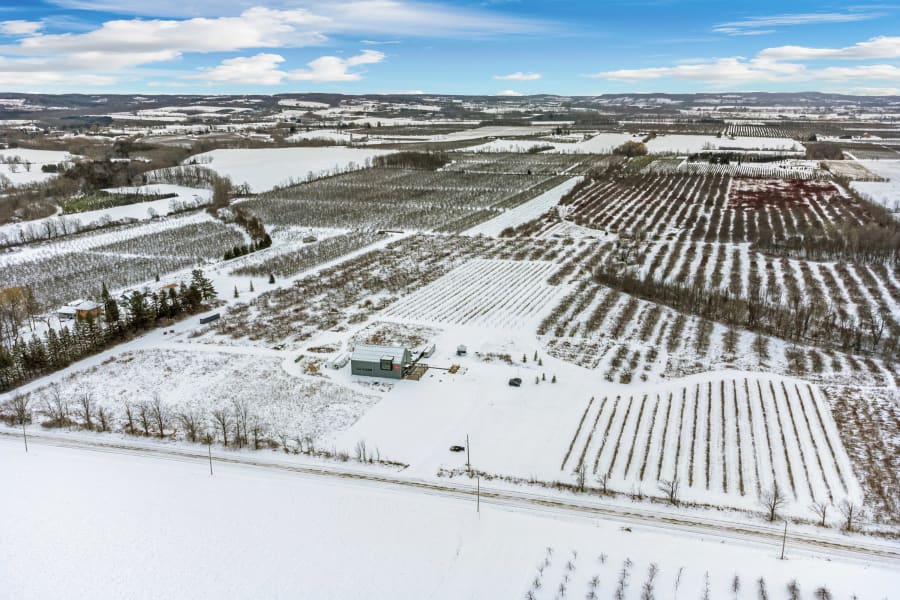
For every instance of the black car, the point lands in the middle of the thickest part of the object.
(515, 381)
(457, 448)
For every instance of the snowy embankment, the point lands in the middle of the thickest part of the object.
(525, 212)
(20, 166)
(886, 193)
(265, 168)
(40, 229)
(144, 527)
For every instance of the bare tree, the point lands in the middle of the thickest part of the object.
(793, 590)
(820, 508)
(86, 407)
(56, 407)
(735, 586)
(851, 513)
(670, 488)
(580, 477)
(20, 407)
(144, 417)
(190, 423)
(360, 450)
(160, 414)
(772, 500)
(602, 481)
(762, 593)
(823, 593)
(647, 590)
(222, 419)
(103, 418)
(129, 418)
(241, 420)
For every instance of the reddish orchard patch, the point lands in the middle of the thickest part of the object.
(776, 193)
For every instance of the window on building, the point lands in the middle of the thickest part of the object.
(387, 363)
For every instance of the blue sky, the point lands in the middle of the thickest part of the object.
(581, 47)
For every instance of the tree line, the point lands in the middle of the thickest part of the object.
(796, 321)
(121, 319)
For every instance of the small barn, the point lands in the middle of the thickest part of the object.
(391, 362)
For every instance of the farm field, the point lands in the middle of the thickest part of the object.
(524, 212)
(264, 169)
(386, 198)
(886, 193)
(739, 437)
(726, 329)
(491, 293)
(20, 166)
(690, 144)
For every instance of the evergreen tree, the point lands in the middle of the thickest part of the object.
(235, 292)
(139, 312)
(271, 278)
(54, 350)
(203, 284)
(251, 285)
(110, 306)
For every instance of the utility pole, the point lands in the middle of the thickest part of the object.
(478, 495)
(209, 447)
(784, 540)
(468, 457)
(24, 436)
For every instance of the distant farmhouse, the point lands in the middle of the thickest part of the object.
(80, 309)
(391, 362)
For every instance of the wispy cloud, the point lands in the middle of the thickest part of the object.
(781, 64)
(265, 69)
(519, 76)
(767, 24)
(20, 27)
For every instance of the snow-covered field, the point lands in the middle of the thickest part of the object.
(525, 212)
(886, 193)
(491, 293)
(688, 144)
(81, 524)
(22, 165)
(601, 143)
(197, 380)
(263, 169)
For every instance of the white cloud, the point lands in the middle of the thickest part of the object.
(265, 69)
(124, 44)
(407, 17)
(875, 48)
(782, 64)
(759, 25)
(508, 93)
(261, 69)
(19, 27)
(519, 76)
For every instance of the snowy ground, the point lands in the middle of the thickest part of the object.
(886, 193)
(687, 144)
(23, 165)
(139, 211)
(263, 169)
(120, 526)
(525, 212)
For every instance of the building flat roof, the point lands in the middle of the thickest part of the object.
(376, 353)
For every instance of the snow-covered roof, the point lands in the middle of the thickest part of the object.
(374, 353)
(71, 307)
